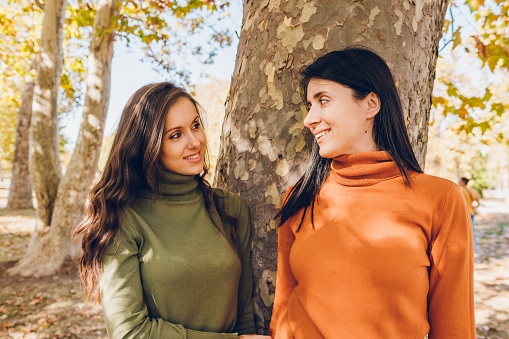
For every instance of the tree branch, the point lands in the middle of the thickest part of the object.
(39, 4)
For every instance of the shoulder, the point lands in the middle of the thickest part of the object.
(433, 183)
(440, 190)
(129, 232)
(131, 223)
(232, 203)
(474, 192)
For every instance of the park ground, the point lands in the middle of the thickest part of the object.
(52, 307)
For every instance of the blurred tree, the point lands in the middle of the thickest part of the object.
(18, 59)
(263, 135)
(50, 244)
(20, 191)
(20, 27)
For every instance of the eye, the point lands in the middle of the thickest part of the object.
(323, 101)
(175, 135)
(196, 125)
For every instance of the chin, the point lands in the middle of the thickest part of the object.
(196, 171)
(326, 154)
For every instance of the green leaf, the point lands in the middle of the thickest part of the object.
(474, 4)
(456, 38)
(452, 91)
(485, 125)
(497, 108)
(487, 95)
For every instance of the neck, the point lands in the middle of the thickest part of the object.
(364, 168)
(176, 187)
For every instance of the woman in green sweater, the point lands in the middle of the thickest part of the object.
(168, 254)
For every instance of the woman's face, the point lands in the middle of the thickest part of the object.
(340, 123)
(183, 148)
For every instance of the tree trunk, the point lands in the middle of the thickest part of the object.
(20, 191)
(264, 146)
(52, 249)
(44, 148)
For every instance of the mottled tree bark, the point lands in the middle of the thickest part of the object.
(45, 167)
(20, 190)
(49, 251)
(44, 147)
(264, 146)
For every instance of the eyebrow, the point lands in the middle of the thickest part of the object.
(315, 96)
(180, 127)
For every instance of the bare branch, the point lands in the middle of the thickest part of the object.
(39, 4)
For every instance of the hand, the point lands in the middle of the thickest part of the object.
(249, 336)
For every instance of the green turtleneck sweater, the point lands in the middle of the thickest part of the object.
(169, 273)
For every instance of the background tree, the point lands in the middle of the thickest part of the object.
(44, 148)
(20, 30)
(18, 57)
(20, 191)
(50, 245)
(263, 134)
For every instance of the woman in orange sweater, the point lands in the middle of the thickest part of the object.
(369, 246)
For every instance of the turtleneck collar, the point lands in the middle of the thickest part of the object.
(363, 169)
(177, 187)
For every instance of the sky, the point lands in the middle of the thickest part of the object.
(129, 73)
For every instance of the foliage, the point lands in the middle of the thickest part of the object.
(170, 28)
(475, 156)
(493, 41)
(19, 31)
(8, 115)
(469, 132)
(478, 110)
(482, 178)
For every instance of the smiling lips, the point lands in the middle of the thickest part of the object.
(193, 158)
(320, 135)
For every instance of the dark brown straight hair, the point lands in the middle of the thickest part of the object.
(133, 164)
(364, 72)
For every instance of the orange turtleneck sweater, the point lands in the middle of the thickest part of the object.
(383, 260)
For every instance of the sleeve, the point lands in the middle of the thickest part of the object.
(451, 290)
(285, 281)
(124, 310)
(245, 318)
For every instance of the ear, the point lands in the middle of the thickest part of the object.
(373, 105)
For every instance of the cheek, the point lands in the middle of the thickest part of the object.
(351, 121)
(168, 151)
(202, 137)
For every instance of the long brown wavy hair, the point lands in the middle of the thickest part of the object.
(133, 164)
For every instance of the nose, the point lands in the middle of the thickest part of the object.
(312, 119)
(193, 141)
